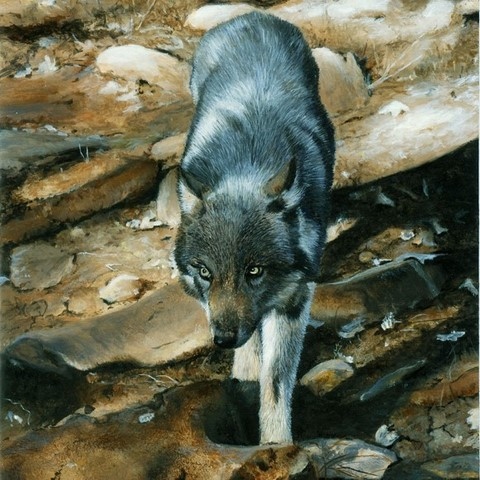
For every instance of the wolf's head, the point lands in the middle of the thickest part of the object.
(244, 249)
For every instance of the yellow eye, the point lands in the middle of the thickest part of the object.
(204, 272)
(254, 272)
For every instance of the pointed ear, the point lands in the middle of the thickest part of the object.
(284, 188)
(283, 180)
(191, 191)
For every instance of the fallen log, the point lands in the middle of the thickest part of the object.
(69, 180)
(24, 149)
(394, 132)
(130, 180)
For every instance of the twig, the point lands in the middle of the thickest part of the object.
(144, 16)
(387, 75)
(22, 407)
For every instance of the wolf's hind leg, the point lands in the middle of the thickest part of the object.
(282, 345)
(246, 363)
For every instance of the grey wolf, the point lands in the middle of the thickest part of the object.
(254, 188)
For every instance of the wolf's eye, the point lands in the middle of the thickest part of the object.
(254, 272)
(204, 272)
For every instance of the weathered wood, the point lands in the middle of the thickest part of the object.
(79, 100)
(128, 181)
(22, 149)
(71, 179)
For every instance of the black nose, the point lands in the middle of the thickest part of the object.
(225, 339)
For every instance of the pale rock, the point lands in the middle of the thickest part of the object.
(134, 62)
(85, 301)
(121, 288)
(394, 108)
(466, 7)
(168, 208)
(38, 266)
(386, 436)
(326, 376)
(348, 459)
(49, 65)
(208, 16)
(472, 418)
(169, 150)
(396, 23)
(342, 84)
(161, 327)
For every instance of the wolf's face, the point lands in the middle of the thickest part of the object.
(237, 254)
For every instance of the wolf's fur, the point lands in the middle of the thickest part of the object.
(254, 192)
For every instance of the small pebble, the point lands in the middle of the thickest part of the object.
(366, 257)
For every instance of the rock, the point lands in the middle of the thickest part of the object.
(412, 423)
(74, 100)
(164, 326)
(85, 301)
(390, 380)
(366, 257)
(168, 208)
(466, 7)
(121, 288)
(371, 294)
(32, 12)
(325, 376)
(38, 266)
(207, 16)
(169, 148)
(386, 436)
(458, 466)
(342, 83)
(348, 459)
(134, 62)
(334, 20)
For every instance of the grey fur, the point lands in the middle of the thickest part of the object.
(254, 191)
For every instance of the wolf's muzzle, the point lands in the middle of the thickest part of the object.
(225, 339)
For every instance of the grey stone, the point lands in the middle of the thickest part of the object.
(458, 466)
(348, 459)
(39, 265)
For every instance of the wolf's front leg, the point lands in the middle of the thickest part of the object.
(282, 341)
(246, 362)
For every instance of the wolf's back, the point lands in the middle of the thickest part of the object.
(257, 47)
(255, 84)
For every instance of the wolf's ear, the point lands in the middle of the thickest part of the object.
(283, 180)
(191, 191)
(282, 185)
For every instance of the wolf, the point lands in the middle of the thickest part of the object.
(254, 187)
